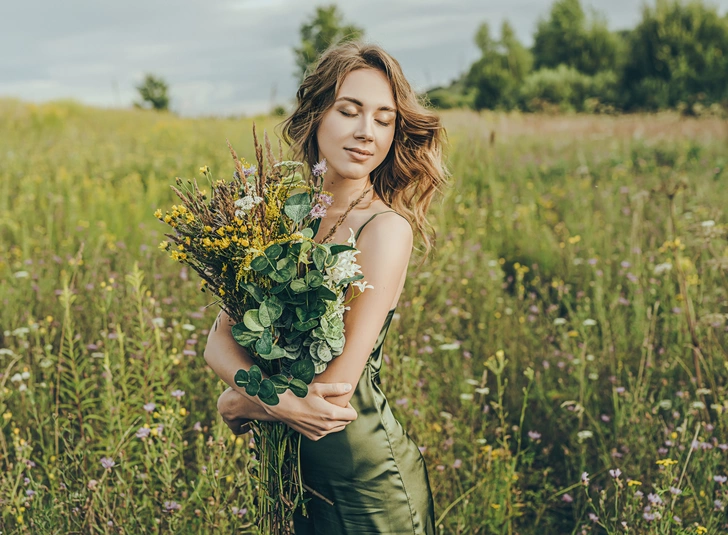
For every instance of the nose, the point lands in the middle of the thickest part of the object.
(365, 131)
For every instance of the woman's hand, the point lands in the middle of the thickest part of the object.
(312, 416)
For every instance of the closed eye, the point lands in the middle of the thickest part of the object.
(354, 115)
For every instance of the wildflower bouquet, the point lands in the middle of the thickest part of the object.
(253, 247)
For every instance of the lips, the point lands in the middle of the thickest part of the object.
(360, 151)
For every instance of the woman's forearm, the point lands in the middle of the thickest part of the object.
(225, 356)
(233, 406)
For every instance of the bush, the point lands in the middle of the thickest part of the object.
(566, 89)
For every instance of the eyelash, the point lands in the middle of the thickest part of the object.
(352, 115)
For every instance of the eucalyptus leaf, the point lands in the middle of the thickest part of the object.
(264, 344)
(273, 251)
(299, 388)
(272, 400)
(305, 325)
(243, 336)
(308, 232)
(267, 388)
(253, 290)
(298, 285)
(314, 279)
(298, 206)
(259, 263)
(255, 373)
(241, 378)
(252, 388)
(251, 320)
(319, 257)
(303, 370)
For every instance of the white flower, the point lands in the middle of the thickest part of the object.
(25, 375)
(559, 321)
(21, 274)
(16, 378)
(583, 435)
(346, 267)
(589, 322)
(709, 223)
(188, 327)
(659, 268)
(246, 204)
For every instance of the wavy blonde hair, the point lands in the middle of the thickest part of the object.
(413, 171)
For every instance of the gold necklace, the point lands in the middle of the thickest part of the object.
(330, 235)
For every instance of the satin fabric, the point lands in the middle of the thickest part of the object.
(372, 471)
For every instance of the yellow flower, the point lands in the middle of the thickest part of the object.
(7, 415)
(158, 213)
(666, 462)
(634, 483)
(495, 506)
(183, 412)
(208, 228)
(701, 529)
(221, 291)
(204, 169)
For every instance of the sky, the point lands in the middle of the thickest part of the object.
(235, 57)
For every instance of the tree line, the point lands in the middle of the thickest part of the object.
(675, 58)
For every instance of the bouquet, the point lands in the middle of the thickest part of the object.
(252, 245)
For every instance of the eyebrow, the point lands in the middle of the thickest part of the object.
(358, 103)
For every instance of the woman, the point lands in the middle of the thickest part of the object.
(383, 154)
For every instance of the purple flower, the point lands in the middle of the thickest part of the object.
(320, 168)
(170, 506)
(422, 449)
(317, 212)
(594, 518)
(648, 516)
(247, 171)
(457, 463)
(718, 505)
(239, 512)
(107, 462)
(654, 499)
(149, 407)
(402, 402)
(567, 498)
(143, 432)
(534, 435)
(178, 393)
(29, 492)
(677, 519)
(585, 478)
(676, 491)
(615, 473)
(720, 479)
(325, 199)
(638, 493)
(197, 427)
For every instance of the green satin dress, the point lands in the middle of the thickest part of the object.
(372, 471)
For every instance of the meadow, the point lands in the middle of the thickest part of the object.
(560, 357)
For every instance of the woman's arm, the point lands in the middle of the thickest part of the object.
(385, 248)
(313, 416)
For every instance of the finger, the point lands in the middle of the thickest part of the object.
(332, 389)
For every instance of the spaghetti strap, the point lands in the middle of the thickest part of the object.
(356, 237)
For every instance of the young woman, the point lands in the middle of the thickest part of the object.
(383, 151)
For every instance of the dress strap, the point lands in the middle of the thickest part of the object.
(356, 237)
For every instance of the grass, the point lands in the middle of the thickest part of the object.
(567, 374)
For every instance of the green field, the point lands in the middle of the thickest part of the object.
(572, 319)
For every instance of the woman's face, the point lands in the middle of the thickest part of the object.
(362, 118)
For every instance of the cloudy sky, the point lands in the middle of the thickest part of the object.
(235, 56)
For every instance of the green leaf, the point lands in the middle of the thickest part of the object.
(315, 226)
(243, 336)
(287, 268)
(267, 388)
(281, 382)
(264, 315)
(253, 290)
(299, 388)
(252, 388)
(251, 320)
(338, 248)
(305, 325)
(264, 344)
(273, 251)
(259, 263)
(319, 257)
(303, 370)
(350, 279)
(241, 378)
(298, 206)
(276, 352)
(274, 308)
(278, 289)
(298, 285)
(325, 293)
(272, 400)
(314, 279)
(255, 373)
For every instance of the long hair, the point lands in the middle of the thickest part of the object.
(412, 172)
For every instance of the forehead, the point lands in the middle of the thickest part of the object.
(368, 86)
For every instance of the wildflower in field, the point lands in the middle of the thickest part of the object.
(666, 462)
(634, 483)
(170, 506)
(149, 407)
(246, 204)
(239, 512)
(197, 427)
(559, 321)
(594, 518)
(30, 493)
(718, 505)
(585, 478)
(178, 394)
(700, 530)
(107, 462)
(615, 473)
(720, 479)
(676, 491)
(677, 519)
(648, 516)
(589, 322)
(143, 432)
(320, 168)
(534, 435)
(654, 499)
(457, 463)
(92, 484)
(567, 498)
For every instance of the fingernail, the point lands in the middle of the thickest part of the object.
(347, 387)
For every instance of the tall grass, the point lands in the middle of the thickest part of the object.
(560, 358)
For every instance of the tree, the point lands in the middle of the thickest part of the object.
(153, 92)
(678, 56)
(504, 64)
(568, 38)
(324, 29)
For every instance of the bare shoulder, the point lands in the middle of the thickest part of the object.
(390, 234)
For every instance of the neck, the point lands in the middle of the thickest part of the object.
(346, 191)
